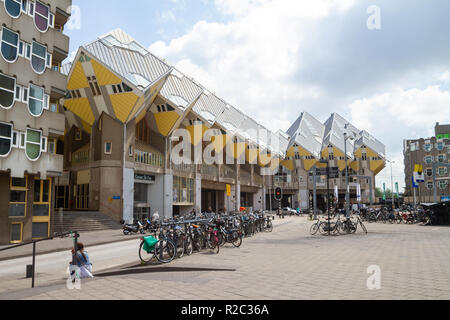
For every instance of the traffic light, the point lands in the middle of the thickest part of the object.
(278, 194)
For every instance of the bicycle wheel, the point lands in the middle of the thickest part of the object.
(363, 226)
(165, 251)
(237, 240)
(180, 247)
(188, 246)
(144, 255)
(222, 239)
(269, 226)
(314, 228)
(323, 228)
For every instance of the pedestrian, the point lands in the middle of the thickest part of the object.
(82, 261)
(155, 216)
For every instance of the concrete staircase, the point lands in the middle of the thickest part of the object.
(84, 221)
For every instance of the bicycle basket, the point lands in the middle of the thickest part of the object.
(149, 243)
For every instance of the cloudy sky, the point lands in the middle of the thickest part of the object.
(275, 59)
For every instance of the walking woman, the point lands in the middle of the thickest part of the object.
(82, 261)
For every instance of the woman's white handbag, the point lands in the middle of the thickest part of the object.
(86, 271)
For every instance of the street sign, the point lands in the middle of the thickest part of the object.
(228, 190)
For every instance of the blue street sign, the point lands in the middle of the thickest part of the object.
(446, 198)
(116, 197)
(414, 185)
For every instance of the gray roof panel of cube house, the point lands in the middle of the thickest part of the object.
(128, 59)
(308, 133)
(278, 143)
(180, 90)
(334, 134)
(250, 130)
(230, 119)
(371, 142)
(209, 107)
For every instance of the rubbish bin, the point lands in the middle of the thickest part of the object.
(29, 272)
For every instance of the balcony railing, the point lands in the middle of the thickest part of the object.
(190, 168)
(210, 170)
(228, 172)
(80, 157)
(151, 159)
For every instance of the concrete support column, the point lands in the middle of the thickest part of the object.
(168, 196)
(258, 199)
(238, 187)
(128, 195)
(198, 193)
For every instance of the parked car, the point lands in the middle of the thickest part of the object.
(289, 211)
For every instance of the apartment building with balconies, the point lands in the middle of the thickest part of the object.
(32, 123)
(426, 152)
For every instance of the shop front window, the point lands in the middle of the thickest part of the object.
(17, 197)
(183, 190)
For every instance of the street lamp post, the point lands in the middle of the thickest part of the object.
(328, 193)
(392, 184)
(347, 191)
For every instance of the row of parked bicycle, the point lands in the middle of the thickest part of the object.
(405, 214)
(337, 224)
(174, 238)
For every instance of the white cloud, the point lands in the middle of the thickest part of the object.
(250, 60)
(401, 114)
(275, 59)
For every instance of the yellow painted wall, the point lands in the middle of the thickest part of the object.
(264, 158)
(358, 153)
(341, 165)
(337, 152)
(303, 152)
(291, 152)
(308, 164)
(239, 149)
(196, 132)
(103, 75)
(81, 108)
(165, 121)
(78, 78)
(122, 104)
(216, 140)
(251, 155)
(288, 164)
(376, 166)
(354, 165)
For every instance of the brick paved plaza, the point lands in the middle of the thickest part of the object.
(286, 264)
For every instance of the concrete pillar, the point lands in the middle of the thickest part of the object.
(198, 193)
(258, 199)
(168, 196)
(238, 187)
(128, 195)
